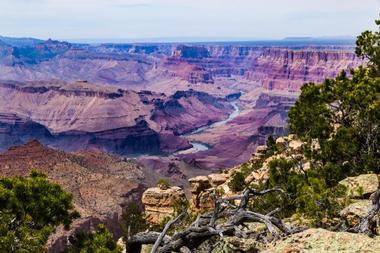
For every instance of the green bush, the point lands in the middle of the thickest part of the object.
(306, 193)
(100, 241)
(237, 182)
(133, 220)
(163, 183)
(30, 208)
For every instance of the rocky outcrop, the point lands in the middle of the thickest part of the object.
(360, 190)
(160, 203)
(361, 186)
(256, 170)
(204, 189)
(354, 212)
(320, 240)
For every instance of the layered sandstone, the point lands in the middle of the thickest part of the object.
(160, 203)
(284, 67)
(77, 116)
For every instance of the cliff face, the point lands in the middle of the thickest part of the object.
(284, 68)
(274, 68)
(235, 141)
(172, 90)
(81, 116)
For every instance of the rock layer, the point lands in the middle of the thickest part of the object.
(81, 116)
(160, 203)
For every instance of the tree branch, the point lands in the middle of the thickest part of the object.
(163, 233)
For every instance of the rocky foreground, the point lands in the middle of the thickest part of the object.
(159, 206)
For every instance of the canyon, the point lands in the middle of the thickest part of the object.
(108, 121)
(171, 106)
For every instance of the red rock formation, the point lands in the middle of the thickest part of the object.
(81, 116)
(285, 68)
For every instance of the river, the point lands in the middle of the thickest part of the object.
(199, 146)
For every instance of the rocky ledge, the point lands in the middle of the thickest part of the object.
(160, 202)
(320, 240)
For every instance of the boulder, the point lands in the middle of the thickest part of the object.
(217, 179)
(289, 143)
(199, 184)
(122, 245)
(235, 244)
(361, 186)
(257, 176)
(296, 145)
(261, 149)
(320, 240)
(357, 210)
(160, 203)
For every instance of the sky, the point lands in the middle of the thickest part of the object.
(195, 19)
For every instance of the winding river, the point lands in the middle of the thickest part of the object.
(199, 146)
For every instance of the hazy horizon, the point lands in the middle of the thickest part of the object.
(206, 20)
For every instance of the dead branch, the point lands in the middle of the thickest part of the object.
(364, 225)
(164, 231)
(134, 242)
(224, 220)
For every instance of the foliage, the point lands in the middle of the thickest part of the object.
(271, 146)
(368, 46)
(306, 193)
(30, 208)
(237, 182)
(100, 241)
(132, 220)
(163, 183)
(343, 114)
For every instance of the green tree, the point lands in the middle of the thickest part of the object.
(133, 220)
(30, 208)
(99, 241)
(342, 115)
(368, 46)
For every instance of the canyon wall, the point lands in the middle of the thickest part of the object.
(80, 116)
(138, 99)
(284, 67)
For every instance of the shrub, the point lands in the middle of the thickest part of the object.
(133, 220)
(30, 208)
(99, 241)
(163, 183)
(237, 182)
